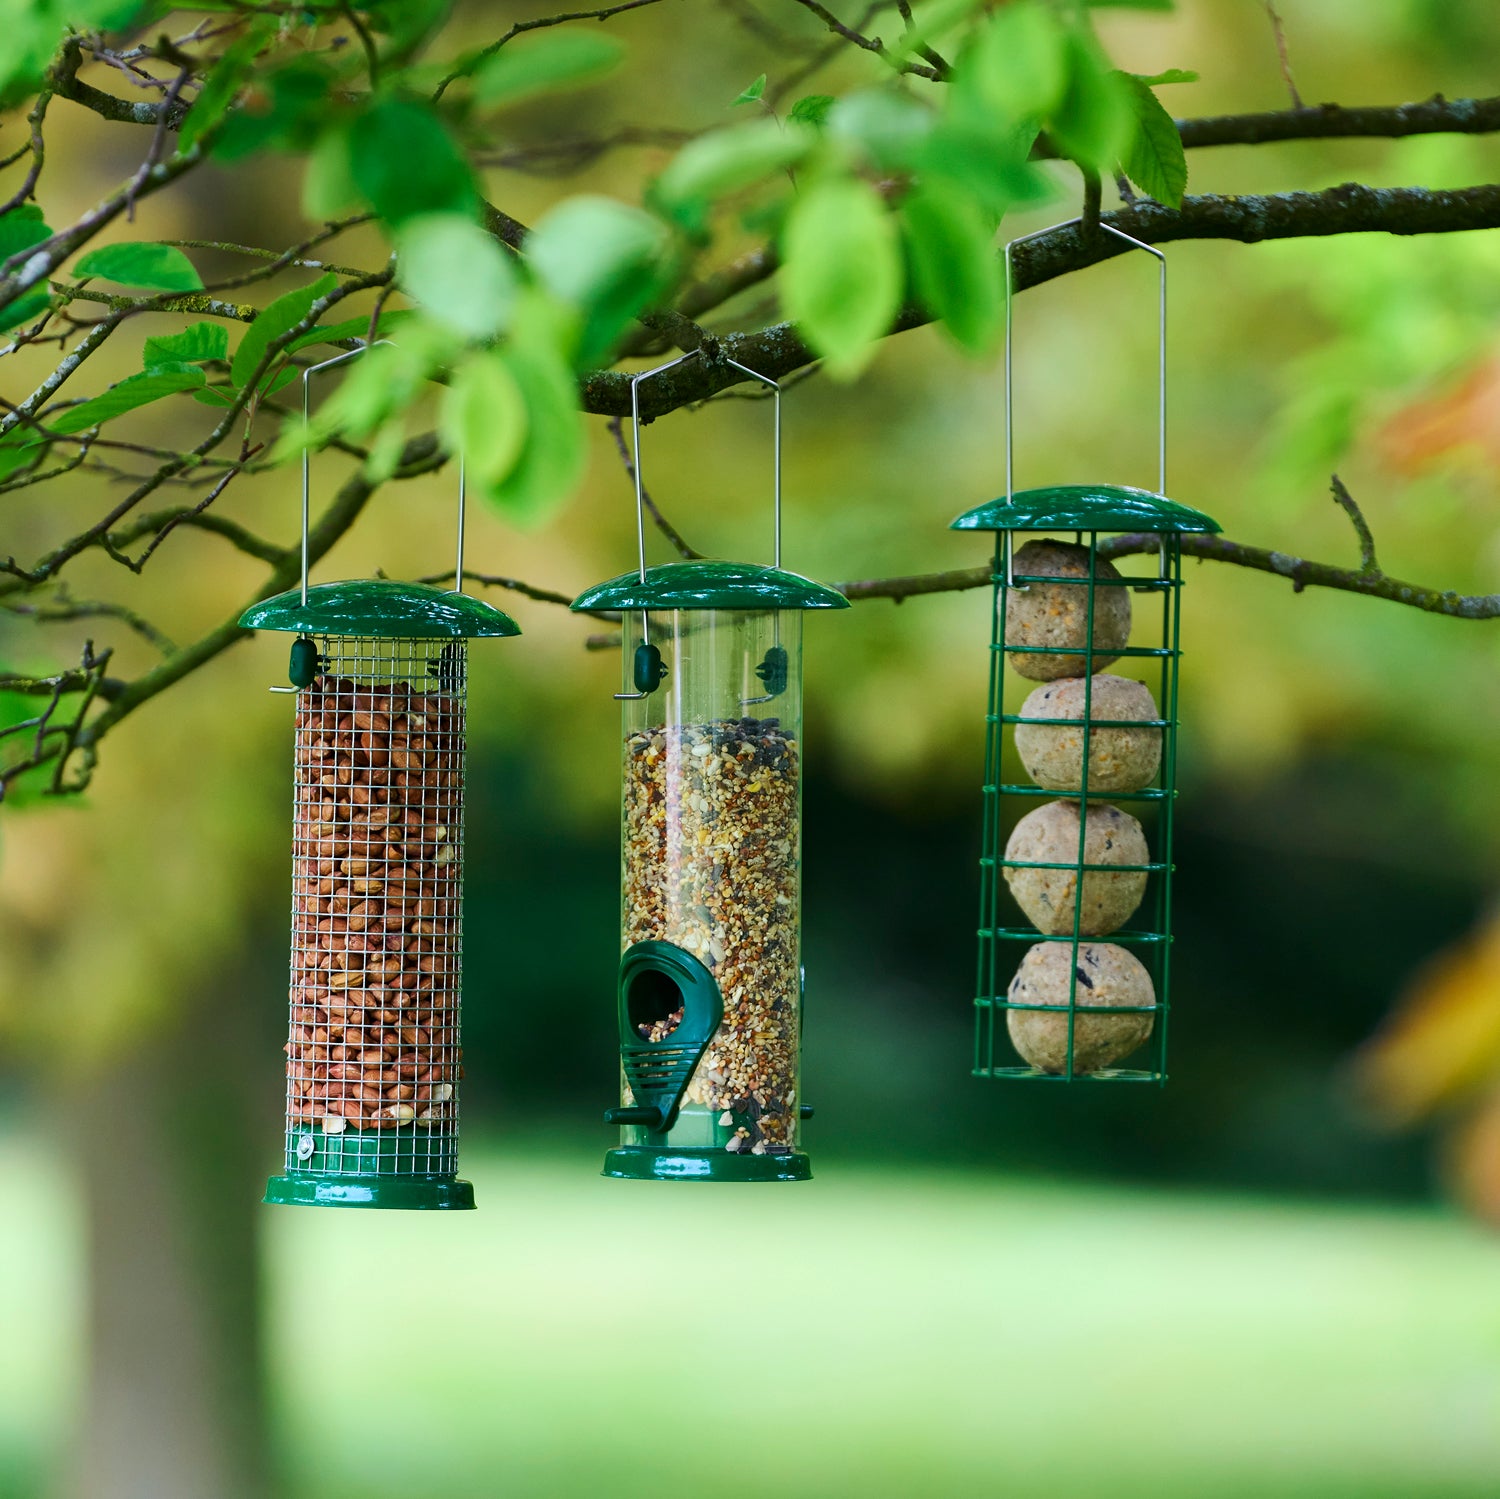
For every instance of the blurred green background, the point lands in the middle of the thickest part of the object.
(1240, 1285)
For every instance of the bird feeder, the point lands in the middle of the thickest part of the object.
(373, 1057)
(709, 994)
(1076, 867)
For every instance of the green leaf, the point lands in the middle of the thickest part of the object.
(328, 188)
(139, 263)
(554, 452)
(754, 92)
(223, 83)
(31, 303)
(484, 418)
(841, 271)
(196, 342)
(957, 274)
(608, 260)
(287, 111)
(137, 390)
(888, 129)
(213, 395)
(1131, 4)
(274, 320)
(1016, 67)
(457, 272)
(20, 229)
(932, 24)
(1153, 157)
(724, 161)
(1094, 120)
(812, 109)
(391, 318)
(553, 60)
(406, 165)
(34, 29)
(1171, 75)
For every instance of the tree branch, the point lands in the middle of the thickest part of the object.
(1348, 209)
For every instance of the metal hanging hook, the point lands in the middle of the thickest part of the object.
(651, 665)
(1161, 353)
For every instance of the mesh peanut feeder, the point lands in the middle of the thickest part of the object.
(709, 994)
(1076, 860)
(379, 669)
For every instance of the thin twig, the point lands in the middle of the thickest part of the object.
(1367, 562)
(617, 431)
(1282, 55)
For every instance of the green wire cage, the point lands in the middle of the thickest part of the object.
(373, 1051)
(709, 993)
(1080, 783)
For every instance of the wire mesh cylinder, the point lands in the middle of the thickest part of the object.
(1076, 865)
(373, 1048)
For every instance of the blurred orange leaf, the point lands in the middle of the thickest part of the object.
(1464, 418)
(1473, 1160)
(1442, 1041)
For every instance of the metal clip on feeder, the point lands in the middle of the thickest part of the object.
(1079, 867)
(373, 1060)
(709, 993)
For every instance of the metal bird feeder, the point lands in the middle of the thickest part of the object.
(709, 993)
(379, 669)
(1063, 776)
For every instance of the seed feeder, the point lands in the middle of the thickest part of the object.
(1080, 987)
(709, 993)
(379, 669)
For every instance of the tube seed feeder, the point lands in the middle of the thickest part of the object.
(379, 669)
(709, 993)
(1053, 1001)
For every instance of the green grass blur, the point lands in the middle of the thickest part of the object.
(875, 1333)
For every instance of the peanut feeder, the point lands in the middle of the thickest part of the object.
(709, 993)
(1080, 983)
(373, 1057)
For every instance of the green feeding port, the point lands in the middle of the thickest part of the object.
(374, 1053)
(709, 992)
(1075, 924)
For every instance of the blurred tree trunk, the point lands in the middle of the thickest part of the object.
(172, 1145)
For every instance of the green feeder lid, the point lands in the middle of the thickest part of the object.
(1085, 507)
(710, 585)
(381, 608)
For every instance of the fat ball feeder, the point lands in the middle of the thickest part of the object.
(1053, 1001)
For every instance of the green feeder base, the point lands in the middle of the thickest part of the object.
(666, 1163)
(354, 1191)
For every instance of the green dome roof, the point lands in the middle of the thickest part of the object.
(1085, 507)
(710, 585)
(380, 608)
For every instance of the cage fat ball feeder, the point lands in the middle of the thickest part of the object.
(709, 990)
(379, 669)
(1081, 983)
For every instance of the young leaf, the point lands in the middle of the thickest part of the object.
(137, 263)
(888, 129)
(223, 83)
(31, 303)
(1093, 122)
(812, 109)
(553, 60)
(197, 342)
(20, 229)
(751, 94)
(1016, 68)
(604, 258)
(328, 190)
(484, 418)
(403, 160)
(724, 161)
(955, 270)
(457, 272)
(553, 454)
(136, 390)
(274, 320)
(841, 271)
(1153, 157)
(1171, 75)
